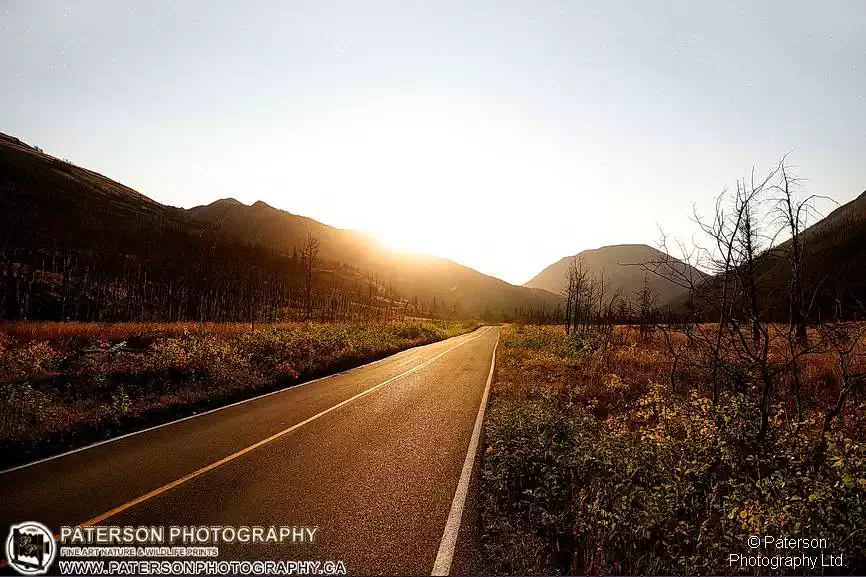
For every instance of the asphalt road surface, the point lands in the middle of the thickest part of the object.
(372, 457)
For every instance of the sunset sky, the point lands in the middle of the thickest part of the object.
(503, 135)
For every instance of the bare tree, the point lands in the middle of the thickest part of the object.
(577, 288)
(676, 347)
(647, 303)
(792, 214)
(309, 257)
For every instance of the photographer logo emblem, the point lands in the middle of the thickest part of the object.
(30, 548)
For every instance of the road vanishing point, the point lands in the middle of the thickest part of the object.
(379, 458)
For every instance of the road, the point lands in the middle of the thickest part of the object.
(372, 456)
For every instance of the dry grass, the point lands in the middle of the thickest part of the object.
(79, 331)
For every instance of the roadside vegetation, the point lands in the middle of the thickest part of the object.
(597, 462)
(67, 384)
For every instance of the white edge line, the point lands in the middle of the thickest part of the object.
(215, 409)
(445, 555)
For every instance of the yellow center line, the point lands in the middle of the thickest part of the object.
(254, 446)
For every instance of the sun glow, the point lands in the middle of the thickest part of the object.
(441, 182)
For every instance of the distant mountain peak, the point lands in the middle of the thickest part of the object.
(262, 204)
(621, 248)
(227, 202)
(626, 245)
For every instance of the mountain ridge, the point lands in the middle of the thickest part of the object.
(83, 223)
(284, 231)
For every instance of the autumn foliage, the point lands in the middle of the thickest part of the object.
(596, 462)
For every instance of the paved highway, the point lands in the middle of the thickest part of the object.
(375, 457)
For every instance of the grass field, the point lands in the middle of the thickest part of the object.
(596, 462)
(79, 332)
(63, 385)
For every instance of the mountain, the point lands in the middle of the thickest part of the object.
(77, 245)
(283, 231)
(409, 274)
(621, 266)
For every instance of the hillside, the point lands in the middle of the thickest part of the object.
(833, 265)
(283, 231)
(77, 245)
(411, 275)
(621, 266)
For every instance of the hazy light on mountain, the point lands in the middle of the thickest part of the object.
(501, 135)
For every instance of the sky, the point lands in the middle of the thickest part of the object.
(503, 135)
